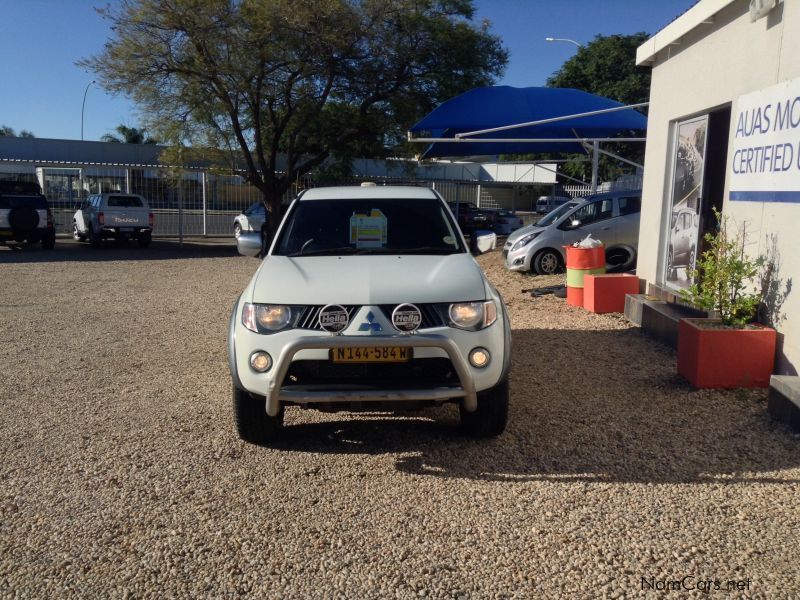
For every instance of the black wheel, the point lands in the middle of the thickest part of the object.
(76, 234)
(144, 239)
(49, 241)
(94, 237)
(619, 260)
(253, 424)
(237, 230)
(492, 414)
(23, 220)
(547, 262)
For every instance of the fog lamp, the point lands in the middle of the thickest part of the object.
(479, 357)
(260, 361)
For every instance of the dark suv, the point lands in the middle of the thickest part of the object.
(25, 215)
(469, 216)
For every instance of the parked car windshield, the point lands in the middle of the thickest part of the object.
(368, 226)
(555, 214)
(124, 202)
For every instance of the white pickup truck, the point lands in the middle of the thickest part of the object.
(115, 215)
(367, 299)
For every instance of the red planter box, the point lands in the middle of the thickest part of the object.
(606, 293)
(712, 357)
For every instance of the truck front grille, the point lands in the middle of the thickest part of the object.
(414, 374)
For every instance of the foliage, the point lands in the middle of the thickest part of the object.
(724, 275)
(6, 131)
(607, 66)
(128, 135)
(284, 86)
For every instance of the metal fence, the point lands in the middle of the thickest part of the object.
(191, 202)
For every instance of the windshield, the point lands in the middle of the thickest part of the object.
(37, 202)
(555, 214)
(124, 202)
(368, 226)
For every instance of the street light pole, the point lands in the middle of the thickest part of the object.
(552, 39)
(83, 106)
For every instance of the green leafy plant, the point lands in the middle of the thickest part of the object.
(723, 277)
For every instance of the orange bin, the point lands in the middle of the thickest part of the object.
(582, 262)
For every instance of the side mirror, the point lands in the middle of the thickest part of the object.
(485, 241)
(249, 243)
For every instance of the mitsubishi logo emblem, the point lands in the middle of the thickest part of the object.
(370, 324)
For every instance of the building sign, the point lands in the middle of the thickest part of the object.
(765, 159)
(687, 188)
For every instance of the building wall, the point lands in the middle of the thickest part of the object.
(708, 68)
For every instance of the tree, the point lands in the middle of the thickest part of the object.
(607, 67)
(128, 135)
(288, 85)
(6, 131)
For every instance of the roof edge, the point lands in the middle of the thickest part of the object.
(701, 13)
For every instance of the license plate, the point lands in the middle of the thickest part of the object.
(377, 354)
(126, 229)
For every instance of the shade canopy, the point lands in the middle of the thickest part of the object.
(498, 106)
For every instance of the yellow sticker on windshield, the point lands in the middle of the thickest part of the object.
(368, 230)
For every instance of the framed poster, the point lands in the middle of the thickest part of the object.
(687, 192)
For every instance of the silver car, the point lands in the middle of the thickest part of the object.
(683, 241)
(254, 218)
(612, 218)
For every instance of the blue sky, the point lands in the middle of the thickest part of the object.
(40, 40)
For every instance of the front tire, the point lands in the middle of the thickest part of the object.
(76, 234)
(237, 230)
(490, 418)
(253, 424)
(547, 262)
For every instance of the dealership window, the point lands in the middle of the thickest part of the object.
(700, 149)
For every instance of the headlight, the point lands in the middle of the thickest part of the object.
(266, 318)
(473, 315)
(525, 240)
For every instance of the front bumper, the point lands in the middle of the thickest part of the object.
(293, 347)
(517, 260)
(275, 393)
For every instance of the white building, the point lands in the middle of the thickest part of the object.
(724, 131)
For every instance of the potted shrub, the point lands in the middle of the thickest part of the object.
(731, 350)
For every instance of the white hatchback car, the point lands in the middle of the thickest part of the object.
(367, 299)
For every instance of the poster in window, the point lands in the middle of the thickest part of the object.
(687, 190)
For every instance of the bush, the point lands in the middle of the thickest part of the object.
(723, 277)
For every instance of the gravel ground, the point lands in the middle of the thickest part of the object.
(121, 475)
